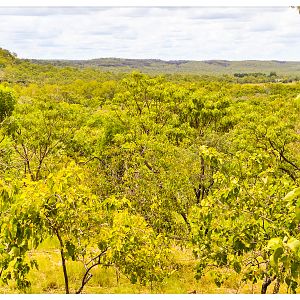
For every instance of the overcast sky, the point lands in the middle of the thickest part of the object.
(145, 32)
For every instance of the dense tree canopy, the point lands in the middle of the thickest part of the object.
(118, 170)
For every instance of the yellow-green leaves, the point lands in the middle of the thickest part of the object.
(7, 102)
(285, 259)
(290, 197)
(274, 243)
(275, 256)
(292, 194)
(294, 245)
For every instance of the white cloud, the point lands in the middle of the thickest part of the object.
(151, 32)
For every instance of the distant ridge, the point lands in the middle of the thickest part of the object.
(181, 66)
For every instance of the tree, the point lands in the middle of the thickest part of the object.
(95, 232)
(7, 102)
(40, 130)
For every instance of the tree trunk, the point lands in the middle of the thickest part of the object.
(266, 283)
(276, 286)
(63, 261)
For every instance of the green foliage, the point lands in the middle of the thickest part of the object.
(17, 235)
(121, 169)
(6, 57)
(7, 102)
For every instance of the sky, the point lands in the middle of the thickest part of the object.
(168, 33)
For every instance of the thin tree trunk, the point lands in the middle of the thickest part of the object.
(63, 261)
(266, 283)
(276, 286)
(186, 221)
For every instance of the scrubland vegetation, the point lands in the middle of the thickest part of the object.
(132, 183)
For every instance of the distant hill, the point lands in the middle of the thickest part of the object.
(157, 66)
(210, 67)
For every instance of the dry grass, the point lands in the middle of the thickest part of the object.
(49, 278)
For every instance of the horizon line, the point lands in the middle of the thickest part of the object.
(159, 59)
